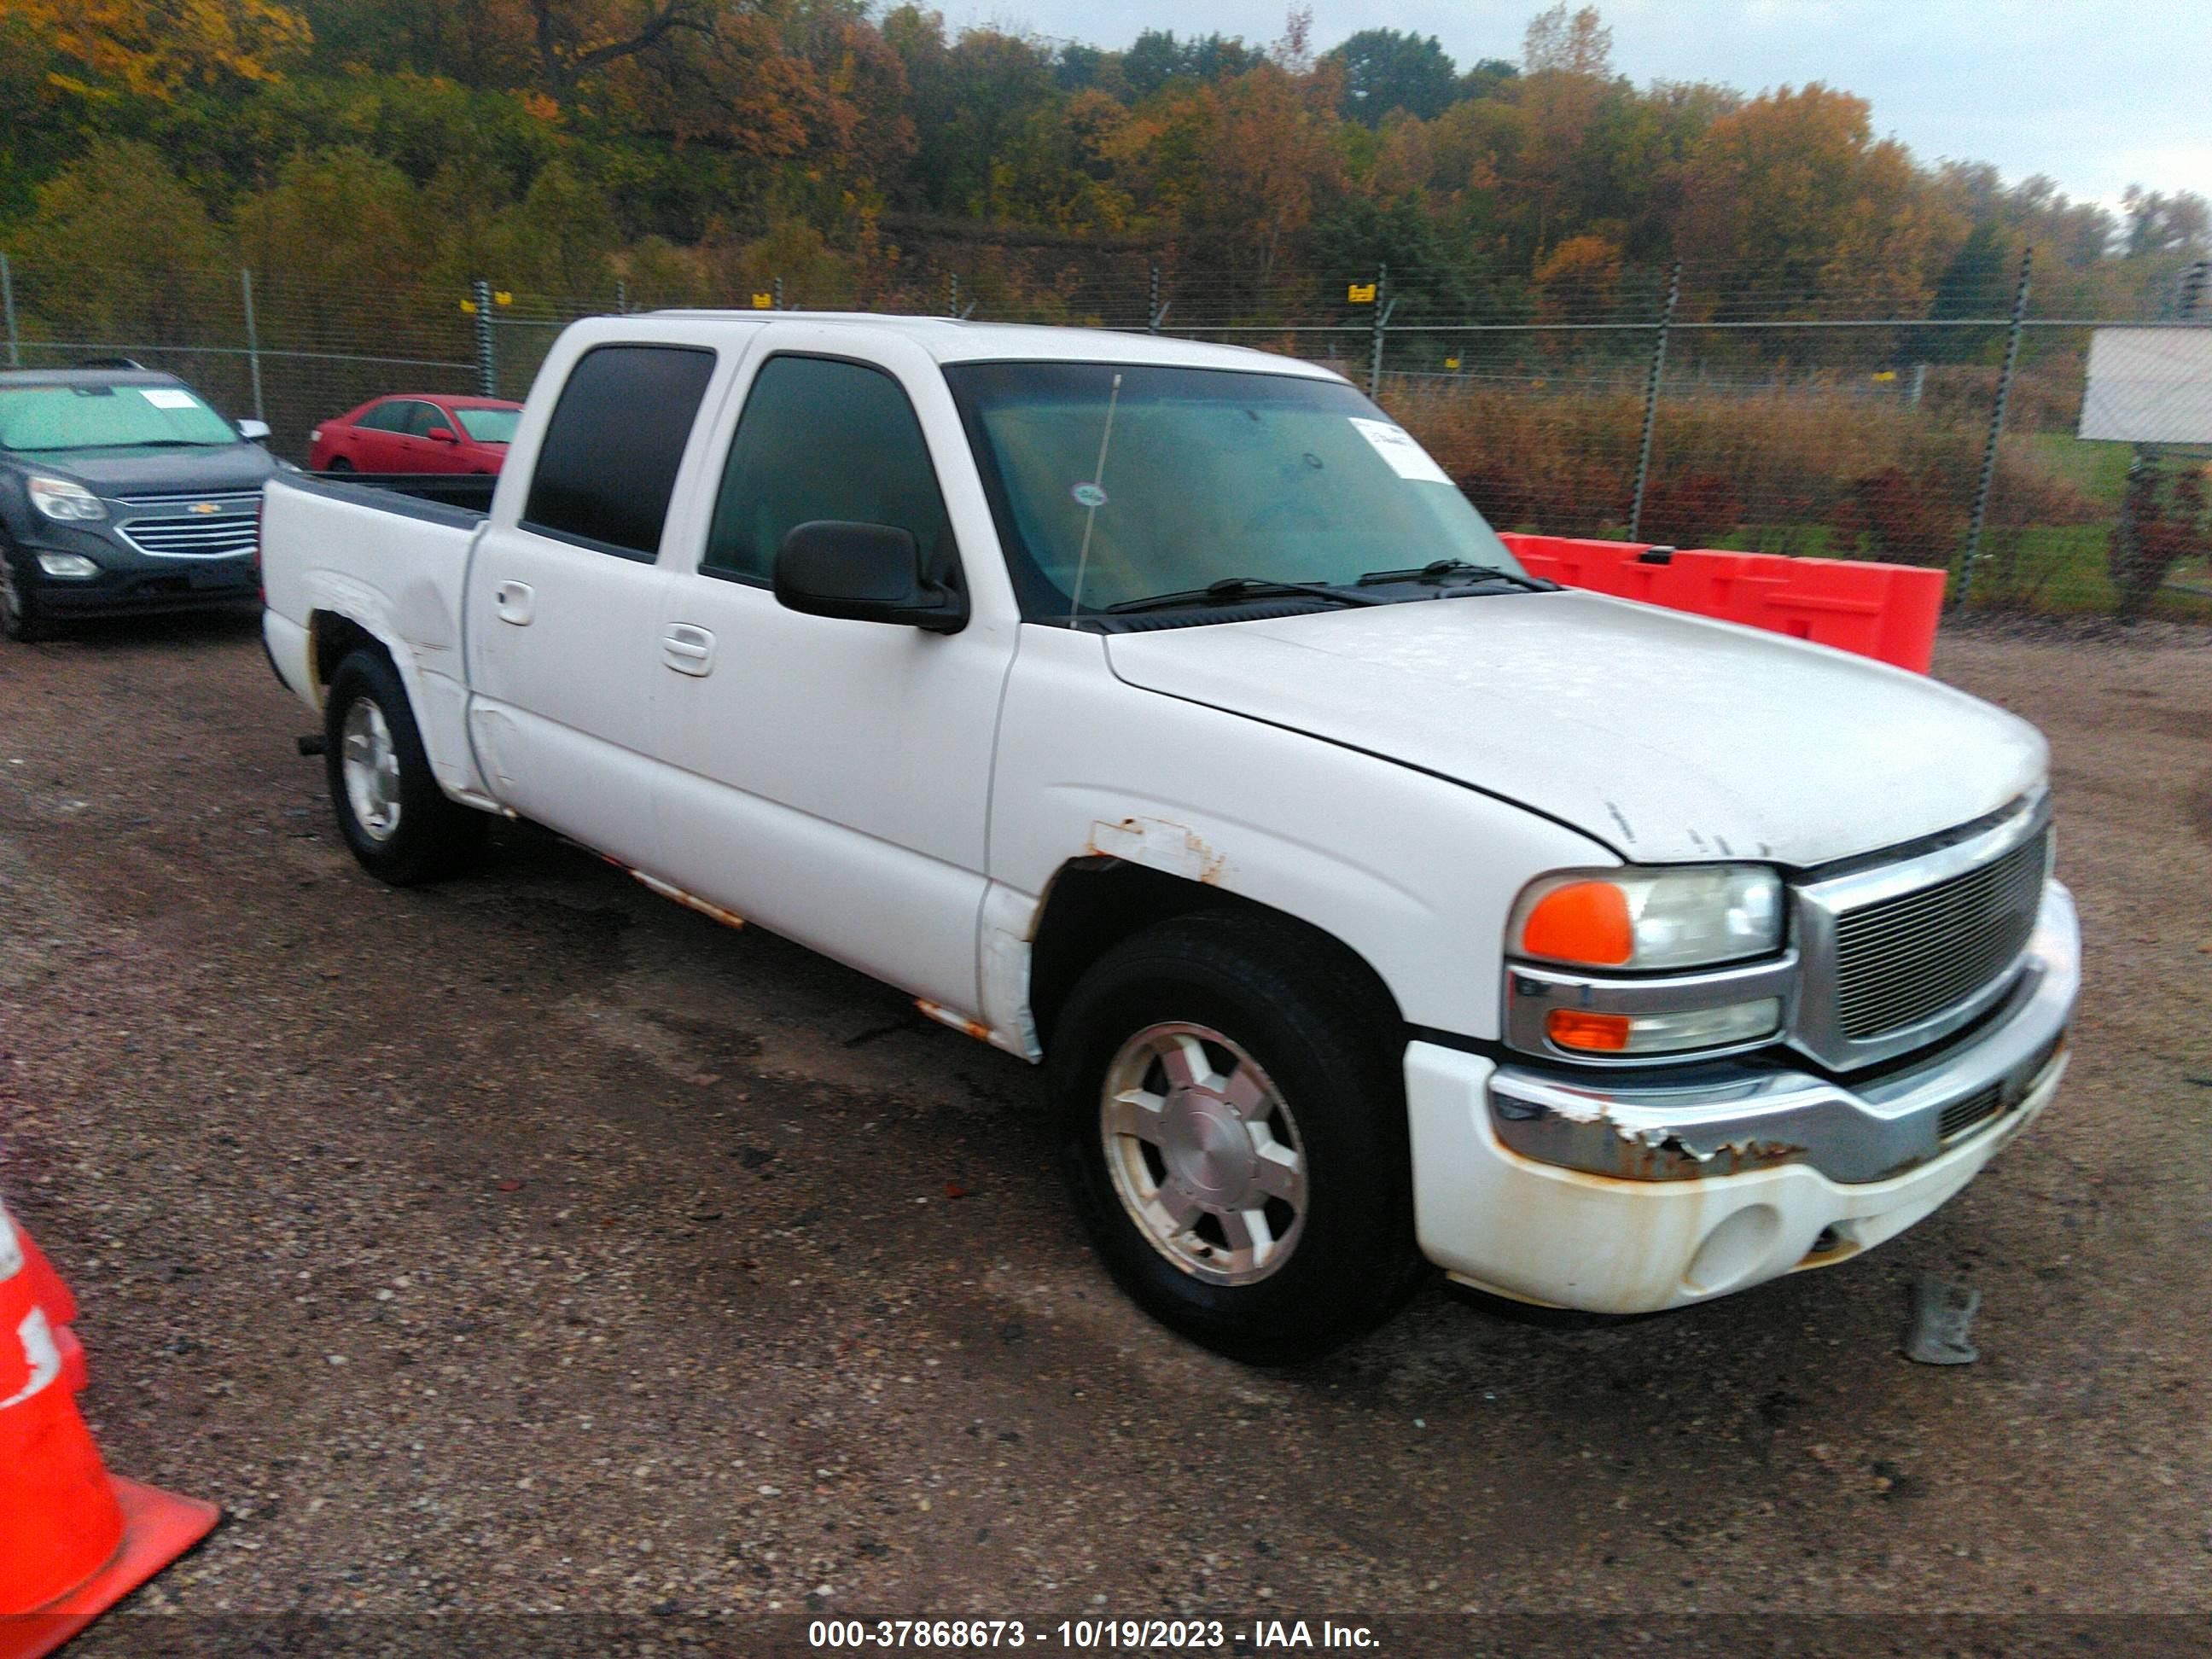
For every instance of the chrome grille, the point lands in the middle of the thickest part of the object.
(227, 531)
(1903, 960)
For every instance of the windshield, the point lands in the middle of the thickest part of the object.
(1208, 475)
(57, 417)
(489, 425)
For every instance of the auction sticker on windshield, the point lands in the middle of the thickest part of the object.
(162, 396)
(1396, 446)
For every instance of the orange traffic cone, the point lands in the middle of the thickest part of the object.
(74, 1540)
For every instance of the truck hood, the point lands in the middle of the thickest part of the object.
(1668, 737)
(216, 469)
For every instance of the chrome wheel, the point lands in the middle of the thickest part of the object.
(371, 761)
(1203, 1153)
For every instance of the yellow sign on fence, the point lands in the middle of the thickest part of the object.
(1360, 293)
(763, 302)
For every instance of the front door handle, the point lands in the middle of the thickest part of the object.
(516, 602)
(688, 650)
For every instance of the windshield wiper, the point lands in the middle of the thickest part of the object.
(1230, 589)
(1438, 567)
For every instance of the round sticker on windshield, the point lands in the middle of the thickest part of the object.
(1088, 495)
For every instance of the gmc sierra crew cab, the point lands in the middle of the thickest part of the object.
(1161, 713)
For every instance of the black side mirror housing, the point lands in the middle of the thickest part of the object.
(864, 573)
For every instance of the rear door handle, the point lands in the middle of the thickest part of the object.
(516, 602)
(688, 650)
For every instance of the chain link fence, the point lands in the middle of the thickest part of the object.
(1692, 407)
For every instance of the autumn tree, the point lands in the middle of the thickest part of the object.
(1793, 193)
(1385, 71)
(157, 49)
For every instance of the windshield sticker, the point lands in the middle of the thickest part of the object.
(1088, 495)
(162, 396)
(1396, 446)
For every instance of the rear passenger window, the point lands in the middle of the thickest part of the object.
(386, 416)
(821, 438)
(608, 464)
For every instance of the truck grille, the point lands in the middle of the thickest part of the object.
(190, 534)
(1906, 959)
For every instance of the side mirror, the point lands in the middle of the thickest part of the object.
(441, 434)
(254, 432)
(863, 573)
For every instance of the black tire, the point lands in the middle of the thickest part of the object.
(21, 616)
(339, 463)
(431, 836)
(1328, 1043)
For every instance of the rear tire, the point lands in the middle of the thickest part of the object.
(21, 618)
(339, 463)
(399, 824)
(1232, 1130)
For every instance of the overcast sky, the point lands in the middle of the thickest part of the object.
(2098, 95)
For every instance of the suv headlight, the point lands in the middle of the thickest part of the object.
(65, 500)
(1649, 921)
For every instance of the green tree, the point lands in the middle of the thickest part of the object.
(1385, 71)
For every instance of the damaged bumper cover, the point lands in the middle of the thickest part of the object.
(1728, 1118)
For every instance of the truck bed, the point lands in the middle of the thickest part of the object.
(465, 494)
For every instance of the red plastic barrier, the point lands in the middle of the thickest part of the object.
(1886, 611)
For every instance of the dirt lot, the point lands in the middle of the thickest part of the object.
(533, 1244)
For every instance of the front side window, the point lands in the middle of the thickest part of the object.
(390, 416)
(823, 439)
(1177, 479)
(52, 419)
(490, 426)
(420, 417)
(608, 465)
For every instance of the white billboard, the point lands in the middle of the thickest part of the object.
(2149, 385)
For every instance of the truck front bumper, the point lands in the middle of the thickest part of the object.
(1641, 1194)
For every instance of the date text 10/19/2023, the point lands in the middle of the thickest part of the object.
(1090, 1635)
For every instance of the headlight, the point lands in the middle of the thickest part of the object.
(1690, 917)
(74, 565)
(65, 500)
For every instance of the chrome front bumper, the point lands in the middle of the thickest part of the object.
(1728, 1117)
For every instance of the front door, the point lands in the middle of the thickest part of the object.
(564, 604)
(829, 779)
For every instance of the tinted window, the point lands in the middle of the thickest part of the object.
(389, 416)
(608, 464)
(823, 440)
(490, 426)
(420, 417)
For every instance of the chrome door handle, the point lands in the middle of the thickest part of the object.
(688, 650)
(516, 602)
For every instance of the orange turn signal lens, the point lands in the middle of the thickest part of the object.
(1583, 922)
(1606, 1034)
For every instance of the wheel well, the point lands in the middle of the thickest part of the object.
(331, 639)
(1095, 903)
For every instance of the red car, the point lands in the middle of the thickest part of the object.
(416, 432)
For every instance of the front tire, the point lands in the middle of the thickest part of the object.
(21, 616)
(1233, 1129)
(398, 823)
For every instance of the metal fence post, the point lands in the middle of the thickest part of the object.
(1152, 301)
(952, 294)
(1964, 584)
(487, 361)
(1651, 402)
(8, 304)
(622, 298)
(777, 289)
(1382, 304)
(252, 340)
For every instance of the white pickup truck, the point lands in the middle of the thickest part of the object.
(1161, 714)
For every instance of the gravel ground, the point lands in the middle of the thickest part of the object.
(529, 1244)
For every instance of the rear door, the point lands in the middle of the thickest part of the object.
(565, 597)
(831, 779)
(379, 439)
